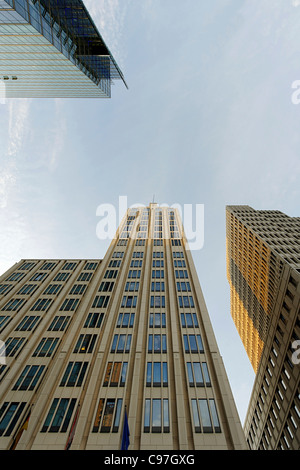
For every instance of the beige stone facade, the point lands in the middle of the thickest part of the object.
(263, 270)
(85, 338)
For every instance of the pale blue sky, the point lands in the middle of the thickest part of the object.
(207, 119)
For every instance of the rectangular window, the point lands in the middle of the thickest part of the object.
(157, 301)
(29, 378)
(205, 416)
(156, 416)
(189, 320)
(3, 320)
(42, 305)
(193, 343)
(198, 374)
(93, 320)
(115, 374)
(9, 416)
(28, 323)
(157, 286)
(52, 289)
(14, 305)
(101, 301)
(157, 343)
(134, 274)
(69, 305)
(78, 289)
(61, 277)
(132, 286)
(59, 323)
(157, 374)
(85, 344)
(46, 347)
(157, 320)
(13, 345)
(84, 276)
(121, 344)
(74, 374)
(183, 286)
(109, 420)
(186, 301)
(106, 286)
(129, 301)
(28, 289)
(125, 320)
(59, 415)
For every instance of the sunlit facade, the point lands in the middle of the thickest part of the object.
(52, 48)
(263, 270)
(85, 338)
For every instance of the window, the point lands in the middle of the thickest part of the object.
(38, 277)
(28, 289)
(3, 320)
(46, 347)
(111, 274)
(28, 323)
(14, 305)
(48, 266)
(121, 343)
(69, 266)
(74, 374)
(158, 254)
(193, 343)
(198, 374)
(59, 323)
(69, 305)
(78, 289)
(189, 320)
(85, 344)
(16, 277)
(59, 415)
(186, 301)
(157, 320)
(157, 301)
(129, 301)
(12, 345)
(109, 421)
(92, 266)
(125, 320)
(84, 276)
(41, 305)
(158, 274)
(106, 286)
(137, 263)
(157, 374)
(9, 416)
(178, 263)
(101, 301)
(134, 274)
(29, 378)
(156, 416)
(157, 286)
(205, 416)
(93, 320)
(5, 288)
(132, 286)
(181, 273)
(183, 286)
(53, 289)
(157, 343)
(61, 277)
(115, 374)
(158, 263)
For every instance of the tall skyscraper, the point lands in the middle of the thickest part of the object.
(263, 270)
(85, 338)
(52, 48)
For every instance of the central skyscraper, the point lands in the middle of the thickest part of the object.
(85, 338)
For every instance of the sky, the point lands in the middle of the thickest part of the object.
(208, 118)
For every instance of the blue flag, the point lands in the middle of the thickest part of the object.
(126, 434)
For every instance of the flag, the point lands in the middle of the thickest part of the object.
(126, 433)
(24, 427)
(72, 431)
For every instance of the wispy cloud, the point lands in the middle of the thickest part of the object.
(17, 128)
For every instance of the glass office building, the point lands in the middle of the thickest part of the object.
(85, 338)
(52, 48)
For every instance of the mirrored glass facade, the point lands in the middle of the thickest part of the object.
(52, 48)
